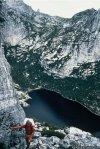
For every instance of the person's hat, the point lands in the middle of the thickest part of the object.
(28, 122)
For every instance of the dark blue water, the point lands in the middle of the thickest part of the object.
(51, 107)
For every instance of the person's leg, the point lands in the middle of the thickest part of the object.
(30, 138)
(27, 142)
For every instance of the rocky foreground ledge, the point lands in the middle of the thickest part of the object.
(47, 137)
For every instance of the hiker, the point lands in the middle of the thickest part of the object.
(29, 129)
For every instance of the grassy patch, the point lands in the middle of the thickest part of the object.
(49, 133)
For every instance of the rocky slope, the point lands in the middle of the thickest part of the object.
(48, 137)
(55, 53)
(11, 112)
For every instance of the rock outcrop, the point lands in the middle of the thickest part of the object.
(11, 112)
(72, 138)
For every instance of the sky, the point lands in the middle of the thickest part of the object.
(63, 8)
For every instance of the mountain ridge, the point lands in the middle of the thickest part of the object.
(64, 51)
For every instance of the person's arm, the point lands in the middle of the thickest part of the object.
(16, 127)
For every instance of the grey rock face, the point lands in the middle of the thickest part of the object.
(74, 139)
(11, 112)
(65, 51)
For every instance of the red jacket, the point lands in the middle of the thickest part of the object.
(29, 128)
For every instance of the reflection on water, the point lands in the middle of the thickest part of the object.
(53, 108)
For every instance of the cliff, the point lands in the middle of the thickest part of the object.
(11, 112)
(64, 51)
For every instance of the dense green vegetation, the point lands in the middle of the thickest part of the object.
(84, 90)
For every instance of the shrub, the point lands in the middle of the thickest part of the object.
(50, 133)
